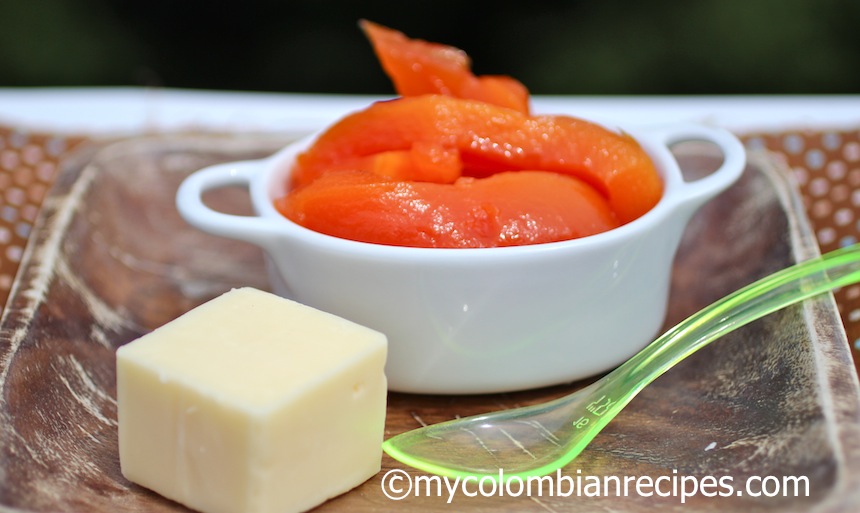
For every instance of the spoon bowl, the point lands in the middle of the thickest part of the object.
(540, 439)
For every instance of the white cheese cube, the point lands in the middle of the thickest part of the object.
(252, 403)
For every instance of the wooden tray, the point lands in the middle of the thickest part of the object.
(111, 259)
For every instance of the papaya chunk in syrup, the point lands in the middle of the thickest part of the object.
(459, 161)
(419, 67)
(492, 139)
(506, 209)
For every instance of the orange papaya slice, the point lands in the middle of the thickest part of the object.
(506, 209)
(424, 162)
(418, 67)
(491, 139)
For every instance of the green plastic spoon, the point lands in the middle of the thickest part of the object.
(540, 439)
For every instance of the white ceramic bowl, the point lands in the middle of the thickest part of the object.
(481, 320)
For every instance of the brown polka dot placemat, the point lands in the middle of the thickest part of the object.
(28, 163)
(826, 165)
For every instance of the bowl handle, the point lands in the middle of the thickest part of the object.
(699, 190)
(189, 201)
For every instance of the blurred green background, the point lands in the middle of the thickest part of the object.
(558, 47)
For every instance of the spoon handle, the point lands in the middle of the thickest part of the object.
(783, 288)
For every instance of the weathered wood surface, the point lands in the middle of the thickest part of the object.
(111, 259)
